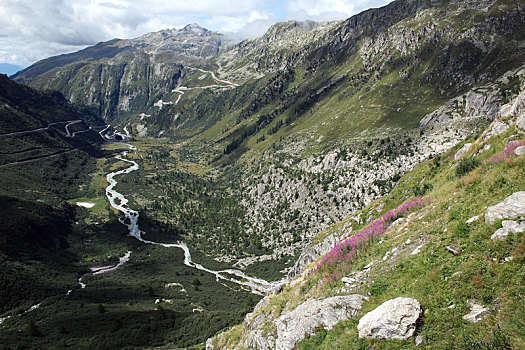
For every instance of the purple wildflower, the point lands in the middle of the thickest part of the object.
(507, 152)
(339, 259)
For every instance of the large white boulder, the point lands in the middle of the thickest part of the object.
(498, 128)
(295, 325)
(394, 319)
(509, 227)
(511, 208)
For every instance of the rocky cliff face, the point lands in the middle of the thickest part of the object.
(129, 82)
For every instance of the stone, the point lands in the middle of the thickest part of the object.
(394, 319)
(509, 227)
(419, 340)
(356, 279)
(452, 250)
(485, 148)
(417, 250)
(511, 208)
(480, 105)
(462, 151)
(472, 219)
(498, 128)
(517, 108)
(519, 151)
(477, 313)
(295, 325)
(520, 123)
(258, 339)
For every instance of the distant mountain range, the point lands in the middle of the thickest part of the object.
(9, 69)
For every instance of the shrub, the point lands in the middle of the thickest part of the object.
(422, 190)
(466, 165)
(462, 229)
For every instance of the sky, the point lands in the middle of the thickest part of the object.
(31, 30)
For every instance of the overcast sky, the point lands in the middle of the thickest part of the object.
(31, 30)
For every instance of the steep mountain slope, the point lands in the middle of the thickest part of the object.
(453, 252)
(47, 149)
(273, 51)
(336, 127)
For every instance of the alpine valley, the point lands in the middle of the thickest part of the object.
(357, 184)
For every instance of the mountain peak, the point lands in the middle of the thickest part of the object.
(195, 27)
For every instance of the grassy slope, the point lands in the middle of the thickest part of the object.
(437, 278)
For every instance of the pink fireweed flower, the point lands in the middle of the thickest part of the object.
(507, 152)
(339, 259)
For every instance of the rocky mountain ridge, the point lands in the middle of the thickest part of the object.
(423, 56)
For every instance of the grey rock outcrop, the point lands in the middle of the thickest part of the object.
(520, 123)
(312, 252)
(498, 128)
(511, 208)
(258, 339)
(462, 151)
(509, 227)
(516, 107)
(477, 313)
(474, 104)
(295, 325)
(394, 319)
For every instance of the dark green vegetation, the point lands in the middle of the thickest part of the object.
(119, 310)
(47, 243)
(38, 173)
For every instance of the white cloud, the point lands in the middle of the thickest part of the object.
(31, 30)
(315, 8)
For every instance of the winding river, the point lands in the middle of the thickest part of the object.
(130, 219)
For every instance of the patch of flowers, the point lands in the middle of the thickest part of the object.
(507, 152)
(339, 260)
